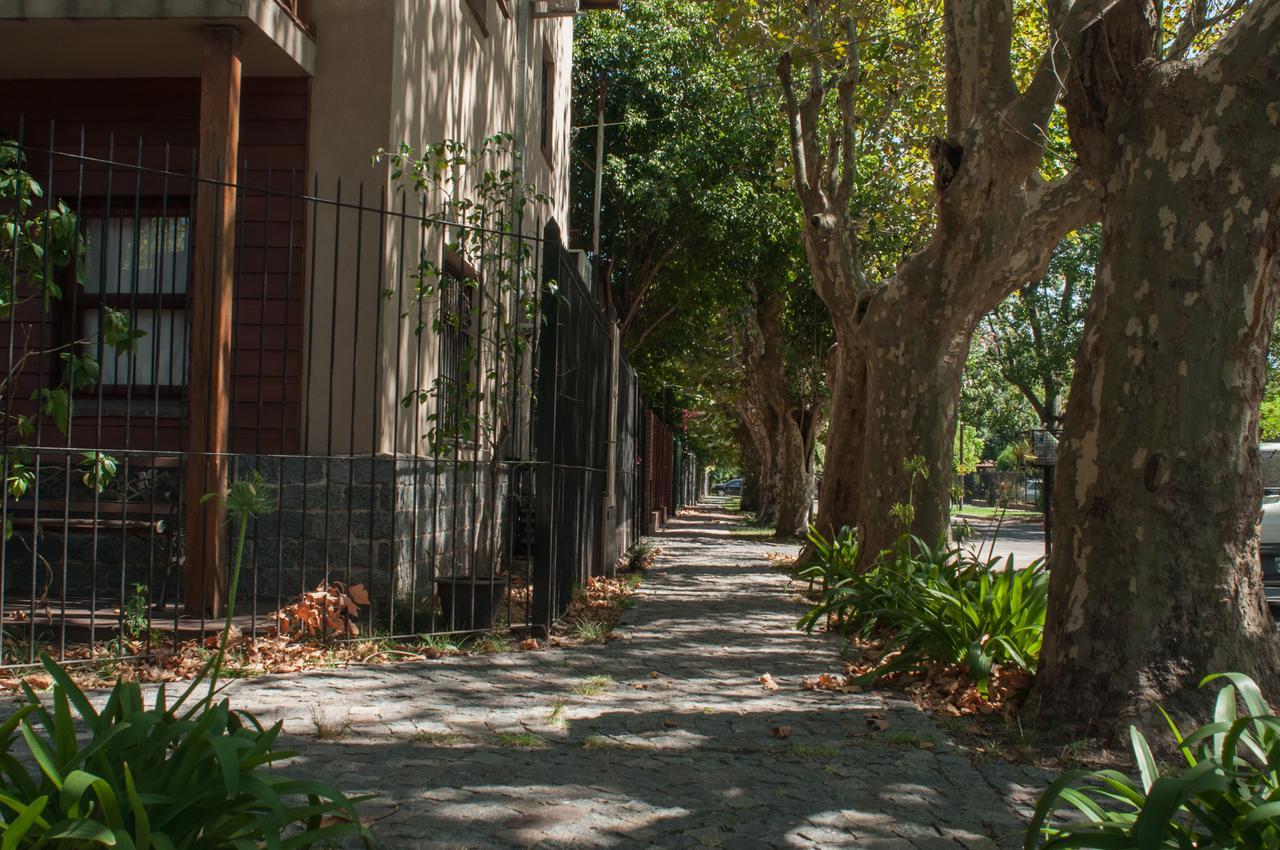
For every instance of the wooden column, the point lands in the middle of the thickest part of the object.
(209, 389)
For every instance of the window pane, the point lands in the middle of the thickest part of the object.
(456, 357)
(163, 251)
(161, 356)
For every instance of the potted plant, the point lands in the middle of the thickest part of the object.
(485, 297)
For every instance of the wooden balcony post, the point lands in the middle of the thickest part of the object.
(209, 380)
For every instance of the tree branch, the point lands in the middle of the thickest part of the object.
(1053, 210)
(1196, 22)
(979, 67)
(845, 100)
(666, 314)
(648, 275)
(804, 186)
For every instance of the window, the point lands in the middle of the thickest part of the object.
(138, 266)
(480, 9)
(456, 390)
(547, 124)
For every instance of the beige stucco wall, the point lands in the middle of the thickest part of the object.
(387, 72)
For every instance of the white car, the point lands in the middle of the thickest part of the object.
(1269, 546)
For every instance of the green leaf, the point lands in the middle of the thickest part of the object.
(1146, 762)
(40, 752)
(86, 830)
(28, 818)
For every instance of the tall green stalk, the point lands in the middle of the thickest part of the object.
(246, 499)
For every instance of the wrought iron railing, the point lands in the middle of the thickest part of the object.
(332, 402)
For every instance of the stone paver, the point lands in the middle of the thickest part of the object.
(672, 750)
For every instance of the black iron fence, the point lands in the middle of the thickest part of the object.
(435, 408)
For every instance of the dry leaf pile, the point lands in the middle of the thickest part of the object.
(519, 594)
(941, 689)
(328, 611)
(601, 600)
(781, 560)
(832, 682)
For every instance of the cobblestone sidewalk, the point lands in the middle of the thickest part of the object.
(659, 738)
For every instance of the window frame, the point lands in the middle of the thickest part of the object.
(449, 427)
(83, 302)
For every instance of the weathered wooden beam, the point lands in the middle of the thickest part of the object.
(209, 392)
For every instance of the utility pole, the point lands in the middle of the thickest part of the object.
(595, 216)
(603, 292)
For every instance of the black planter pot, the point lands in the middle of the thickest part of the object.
(469, 603)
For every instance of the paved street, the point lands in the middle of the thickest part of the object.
(1022, 539)
(660, 738)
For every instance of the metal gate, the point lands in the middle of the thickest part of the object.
(571, 433)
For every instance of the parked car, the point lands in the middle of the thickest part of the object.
(1269, 546)
(732, 487)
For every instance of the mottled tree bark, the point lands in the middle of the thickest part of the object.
(761, 424)
(794, 473)
(913, 392)
(750, 468)
(1155, 575)
(776, 419)
(841, 474)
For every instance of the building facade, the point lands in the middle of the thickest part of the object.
(218, 156)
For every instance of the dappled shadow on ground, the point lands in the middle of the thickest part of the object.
(661, 737)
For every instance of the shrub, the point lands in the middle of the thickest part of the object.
(834, 560)
(936, 606)
(961, 610)
(1227, 795)
(156, 777)
(163, 777)
(641, 556)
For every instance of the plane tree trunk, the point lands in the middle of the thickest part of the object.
(760, 424)
(841, 474)
(1155, 575)
(915, 363)
(750, 468)
(903, 340)
(776, 418)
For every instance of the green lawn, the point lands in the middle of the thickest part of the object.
(993, 513)
(748, 530)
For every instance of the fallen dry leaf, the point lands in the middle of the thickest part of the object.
(779, 731)
(671, 724)
(877, 722)
(654, 674)
(640, 686)
(828, 682)
(767, 682)
(530, 643)
(1023, 754)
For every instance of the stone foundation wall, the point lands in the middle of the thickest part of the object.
(392, 524)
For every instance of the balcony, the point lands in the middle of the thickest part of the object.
(150, 38)
(300, 11)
